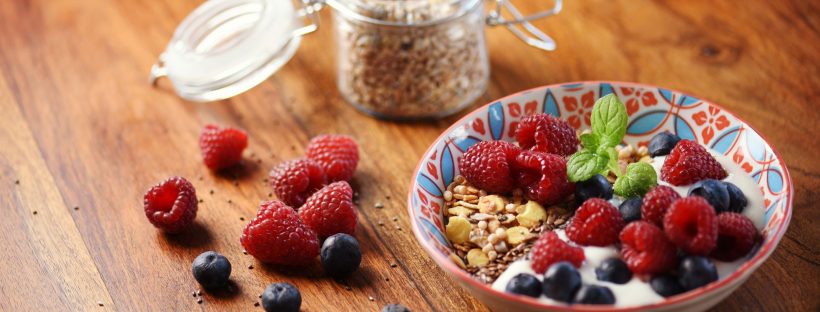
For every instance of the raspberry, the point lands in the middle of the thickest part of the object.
(645, 249)
(171, 204)
(544, 177)
(596, 223)
(487, 165)
(338, 155)
(549, 249)
(293, 181)
(545, 133)
(655, 203)
(277, 235)
(330, 210)
(222, 147)
(688, 163)
(736, 236)
(691, 224)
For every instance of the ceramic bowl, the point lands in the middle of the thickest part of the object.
(651, 110)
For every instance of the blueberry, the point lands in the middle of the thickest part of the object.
(631, 209)
(281, 297)
(341, 255)
(662, 144)
(737, 201)
(594, 294)
(524, 284)
(613, 270)
(395, 307)
(211, 270)
(714, 192)
(696, 271)
(666, 285)
(561, 281)
(596, 186)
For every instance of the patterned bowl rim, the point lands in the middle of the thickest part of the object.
(747, 268)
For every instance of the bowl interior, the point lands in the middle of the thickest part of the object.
(651, 110)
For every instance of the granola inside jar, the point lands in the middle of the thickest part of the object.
(411, 59)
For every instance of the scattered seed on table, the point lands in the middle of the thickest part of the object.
(395, 219)
(235, 183)
(398, 228)
(241, 218)
(260, 296)
(270, 194)
(387, 197)
(198, 292)
(256, 304)
(100, 303)
(381, 223)
(199, 178)
(35, 212)
(244, 252)
(199, 300)
(230, 201)
(201, 201)
(371, 298)
(76, 207)
(393, 265)
(193, 293)
(348, 288)
(386, 279)
(378, 205)
(250, 267)
(212, 192)
(16, 181)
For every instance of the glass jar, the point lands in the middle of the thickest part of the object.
(396, 59)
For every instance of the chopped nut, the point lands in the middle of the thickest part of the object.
(487, 247)
(457, 261)
(460, 211)
(461, 189)
(448, 196)
(477, 258)
(492, 255)
(509, 207)
(533, 214)
(458, 230)
(466, 204)
(490, 204)
(493, 224)
(482, 224)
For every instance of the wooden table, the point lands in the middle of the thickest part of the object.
(83, 135)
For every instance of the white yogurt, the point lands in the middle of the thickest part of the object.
(637, 291)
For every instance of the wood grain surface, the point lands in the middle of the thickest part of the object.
(83, 135)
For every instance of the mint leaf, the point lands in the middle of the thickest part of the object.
(589, 141)
(613, 161)
(609, 120)
(584, 164)
(640, 177)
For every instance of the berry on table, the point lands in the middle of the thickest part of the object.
(211, 270)
(689, 162)
(545, 133)
(171, 205)
(656, 202)
(281, 297)
(645, 249)
(662, 143)
(488, 165)
(666, 285)
(341, 255)
(337, 154)
(613, 270)
(295, 180)
(222, 147)
(277, 235)
(630, 209)
(691, 224)
(543, 177)
(736, 236)
(737, 200)
(714, 191)
(550, 249)
(594, 294)
(696, 271)
(596, 187)
(330, 210)
(561, 282)
(395, 307)
(596, 223)
(524, 284)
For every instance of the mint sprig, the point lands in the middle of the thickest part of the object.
(598, 156)
(640, 177)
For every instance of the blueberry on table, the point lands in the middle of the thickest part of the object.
(595, 187)
(211, 270)
(714, 192)
(594, 294)
(341, 255)
(281, 297)
(737, 200)
(395, 307)
(631, 209)
(613, 270)
(561, 281)
(666, 285)
(696, 271)
(524, 284)
(662, 144)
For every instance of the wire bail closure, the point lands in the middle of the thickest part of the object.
(530, 34)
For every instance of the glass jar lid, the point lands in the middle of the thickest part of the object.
(403, 12)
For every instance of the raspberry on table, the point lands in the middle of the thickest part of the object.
(596, 223)
(545, 133)
(337, 154)
(294, 181)
(689, 162)
(691, 224)
(655, 203)
(646, 249)
(330, 210)
(736, 236)
(550, 249)
(222, 147)
(171, 205)
(544, 177)
(277, 235)
(488, 165)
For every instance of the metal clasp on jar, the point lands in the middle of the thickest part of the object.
(527, 32)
